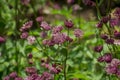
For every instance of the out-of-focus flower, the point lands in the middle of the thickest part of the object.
(57, 29)
(117, 13)
(104, 36)
(68, 23)
(117, 35)
(43, 34)
(114, 22)
(6, 78)
(111, 69)
(76, 7)
(78, 33)
(45, 25)
(98, 48)
(26, 26)
(70, 1)
(109, 41)
(88, 2)
(105, 19)
(25, 2)
(2, 40)
(69, 39)
(31, 39)
(99, 24)
(39, 19)
(31, 70)
(24, 35)
(13, 75)
(18, 78)
(105, 58)
(30, 55)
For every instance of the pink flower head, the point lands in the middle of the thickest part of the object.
(68, 23)
(89, 2)
(31, 70)
(98, 48)
(111, 69)
(31, 39)
(2, 40)
(18, 78)
(57, 29)
(43, 34)
(78, 33)
(25, 2)
(45, 25)
(13, 75)
(24, 35)
(39, 19)
(6, 78)
(26, 26)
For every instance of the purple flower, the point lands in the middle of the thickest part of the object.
(105, 19)
(117, 13)
(45, 25)
(99, 24)
(46, 76)
(57, 29)
(31, 39)
(25, 2)
(30, 55)
(111, 69)
(105, 58)
(31, 70)
(117, 34)
(78, 33)
(2, 40)
(24, 35)
(115, 62)
(13, 75)
(109, 41)
(58, 38)
(39, 19)
(98, 48)
(104, 36)
(68, 23)
(26, 26)
(6, 78)
(88, 2)
(43, 34)
(114, 22)
(69, 39)
(70, 1)
(18, 78)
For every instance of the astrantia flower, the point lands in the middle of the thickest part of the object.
(105, 58)
(31, 39)
(2, 39)
(25, 2)
(58, 38)
(99, 24)
(57, 29)
(117, 35)
(31, 70)
(104, 36)
(26, 26)
(18, 78)
(89, 2)
(111, 69)
(109, 41)
(45, 25)
(78, 33)
(6, 78)
(39, 19)
(24, 35)
(68, 23)
(13, 75)
(114, 22)
(98, 48)
(105, 19)
(117, 13)
(70, 1)
(30, 55)
(43, 34)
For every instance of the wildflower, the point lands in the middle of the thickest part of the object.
(25, 2)
(70, 1)
(31, 39)
(69, 39)
(110, 69)
(30, 55)
(18, 78)
(78, 33)
(104, 36)
(99, 25)
(24, 35)
(43, 34)
(39, 19)
(109, 41)
(6, 78)
(117, 13)
(57, 29)
(26, 26)
(114, 22)
(68, 23)
(31, 70)
(46, 76)
(105, 58)
(88, 2)
(98, 48)
(13, 75)
(105, 19)
(45, 25)
(2, 40)
(117, 34)
(58, 38)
